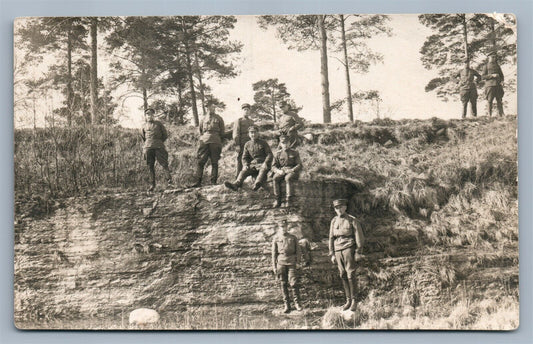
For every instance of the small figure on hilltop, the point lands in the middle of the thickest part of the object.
(154, 135)
(289, 124)
(210, 145)
(286, 166)
(345, 242)
(256, 159)
(493, 76)
(240, 133)
(285, 254)
(468, 89)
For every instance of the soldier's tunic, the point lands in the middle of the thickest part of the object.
(240, 137)
(289, 124)
(154, 135)
(210, 146)
(467, 89)
(345, 239)
(287, 161)
(257, 158)
(493, 76)
(285, 253)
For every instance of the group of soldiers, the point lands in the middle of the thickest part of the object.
(492, 75)
(255, 159)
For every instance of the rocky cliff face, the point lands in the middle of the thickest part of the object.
(106, 254)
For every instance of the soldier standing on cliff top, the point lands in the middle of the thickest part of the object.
(285, 254)
(287, 166)
(240, 133)
(467, 88)
(493, 76)
(289, 124)
(210, 145)
(345, 242)
(154, 135)
(257, 158)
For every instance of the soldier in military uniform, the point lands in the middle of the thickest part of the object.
(285, 254)
(286, 166)
(467, 88)
(154, 135)
(289, 123)
(240, 133)
(345, 242)
(256, 159)
(210, 145)
(493, 76)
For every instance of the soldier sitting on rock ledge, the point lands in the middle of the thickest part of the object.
(287, 166)
(256, 159)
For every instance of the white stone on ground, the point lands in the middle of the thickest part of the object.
(143, 316)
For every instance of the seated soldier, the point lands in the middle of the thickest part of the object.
(287, 166)
(256, 160)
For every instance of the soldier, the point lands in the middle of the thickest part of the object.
(287, 166)
(256, 158)
(467, 88)
(240, 133)
(210, 145)
(493, 76)
(154, 135)
(345, 243)
(289, 124)
(285, 253)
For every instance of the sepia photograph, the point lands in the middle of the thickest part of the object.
(266, 172)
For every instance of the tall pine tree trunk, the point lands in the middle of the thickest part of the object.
(94, 70)
(465, 38)
(273, 104)
(346, 70)
(326, 113)
(200, 84)
(70, 91)
(191, 85)
(145, 98)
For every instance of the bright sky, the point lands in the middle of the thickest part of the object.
(400, 79)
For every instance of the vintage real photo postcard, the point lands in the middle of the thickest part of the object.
(350, 171)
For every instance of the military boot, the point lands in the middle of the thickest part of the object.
(277, 202)
(297, 304)
(285, 290)
(347, 294)
(289, 201)
(214, 174)
(353, 289)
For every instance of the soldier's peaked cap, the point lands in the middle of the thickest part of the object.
(149, 110)
(339, 202)
(492, 53)
(253, 128)
(245, 106)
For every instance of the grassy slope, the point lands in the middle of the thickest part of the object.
(454, 183)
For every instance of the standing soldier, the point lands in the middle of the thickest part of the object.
(287, 166)
(256, 158)
(210, 146)
(285, 254)
(154, 135)
(345, 242)
(493, 76)
(467, 88)
(240, 133)
(289, 124)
